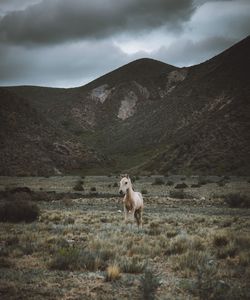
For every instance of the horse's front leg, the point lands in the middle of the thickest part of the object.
(125, 214)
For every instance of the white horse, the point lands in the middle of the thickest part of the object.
(132, 202)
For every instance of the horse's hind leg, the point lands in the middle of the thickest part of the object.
(138, 217)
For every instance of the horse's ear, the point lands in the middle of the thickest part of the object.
(127, 176)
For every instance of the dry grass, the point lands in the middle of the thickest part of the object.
(113, 273)
(186, 250)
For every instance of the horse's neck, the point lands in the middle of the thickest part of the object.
(129, 195)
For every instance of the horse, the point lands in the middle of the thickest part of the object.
(132, 202)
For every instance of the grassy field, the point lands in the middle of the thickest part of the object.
(194, 244)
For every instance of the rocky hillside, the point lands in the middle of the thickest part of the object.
(31, 145)
(156, 118)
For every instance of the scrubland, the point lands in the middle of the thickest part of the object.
(194, 244)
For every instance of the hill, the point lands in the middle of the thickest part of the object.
(151, 117)
(31, 145)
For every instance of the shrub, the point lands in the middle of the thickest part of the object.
(237, 200)
(78, 186)
(190, 260)
(65, 259)
(169, 183)
(221, 183)
(195, 185)
(179, 194)
(158, 181)
(18, 211)
(202, 181)
(5, 263)
(154, 229)
(113, 273)
(149, 283)
(177, 246)
(115, 184)
(171, 233)
(244, 258)
(182, 243)
(132, 265)
(68, 258)
(144, 192)
(220, 239)
(224, 245)
(93, 189)
(181, 185)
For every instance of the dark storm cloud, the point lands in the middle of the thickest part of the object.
(68, 43)
(53, 21)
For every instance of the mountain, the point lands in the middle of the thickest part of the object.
(31, 145)
(151, 117)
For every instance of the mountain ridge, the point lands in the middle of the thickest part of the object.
(151, 117)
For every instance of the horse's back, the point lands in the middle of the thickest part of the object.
(139, 200)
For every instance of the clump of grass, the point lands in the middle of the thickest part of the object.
(202, 181)
(220, 239)
(179, 194)
(78, 186)
(5, 262)
(169, 183)
(69, 258)
(171, 233)
(221, 183)
(144, 192)
(237, 200)
(207, 283)
(230, 250)
(182, 185)
(93, 189)
(115, 184)
(177, 246)
(66, 259)
(190, 260)
(149, 283)
(244, 258)
(224, 245)
(154, 229)
(18, 211)
(195, 185)
(180, 244)
(158, 181)
(132, 265)
(113, 273)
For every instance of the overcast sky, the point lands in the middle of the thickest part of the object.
(65, 43)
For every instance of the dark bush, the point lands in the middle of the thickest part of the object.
(149, 283)
(158, 181)
(20, 189)
(71, 258)
(237, 200)
(221, 182)
(78, 186)
(18, 211)
(93, 189)
(195, 185)
(179, 194)
(169, 183)
(144, 192)
(181, 186)
(115, 184)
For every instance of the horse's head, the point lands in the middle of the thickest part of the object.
(125, 184)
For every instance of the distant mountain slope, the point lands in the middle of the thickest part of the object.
(212, 125)
(156, 118)
(30, 145)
